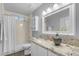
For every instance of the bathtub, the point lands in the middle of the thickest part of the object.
(26, 47)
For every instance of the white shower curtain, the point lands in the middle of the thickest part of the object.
(1, 35)
(9, 33)
(1, 28)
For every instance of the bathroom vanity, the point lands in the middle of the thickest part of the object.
(63, 21)
(42, 47)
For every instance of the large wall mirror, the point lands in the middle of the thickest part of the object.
(59, 21)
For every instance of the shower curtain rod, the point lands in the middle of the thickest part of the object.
(9, 15)
(13, 15)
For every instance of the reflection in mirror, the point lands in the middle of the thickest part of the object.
(58, 21)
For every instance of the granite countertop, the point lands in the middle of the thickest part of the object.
(63, 49)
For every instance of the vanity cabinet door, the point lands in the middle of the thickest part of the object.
(52, 53)
(42, 51)
(34, 49)
(37, 50)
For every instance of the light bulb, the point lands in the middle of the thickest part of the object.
(21, 24)
(56, 6)
(43, 13)
(48, 10)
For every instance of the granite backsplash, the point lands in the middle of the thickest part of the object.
(72, 40)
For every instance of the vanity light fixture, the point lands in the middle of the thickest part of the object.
(48, 10)
(64, 3)
(56, 6)
(44, 13)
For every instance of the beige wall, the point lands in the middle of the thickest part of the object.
(22, 32)
(30, 27)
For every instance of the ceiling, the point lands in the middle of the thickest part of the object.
(22, 8)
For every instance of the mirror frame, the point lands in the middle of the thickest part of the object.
(71, 13)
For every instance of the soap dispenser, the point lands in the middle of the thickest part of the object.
(57, 40)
